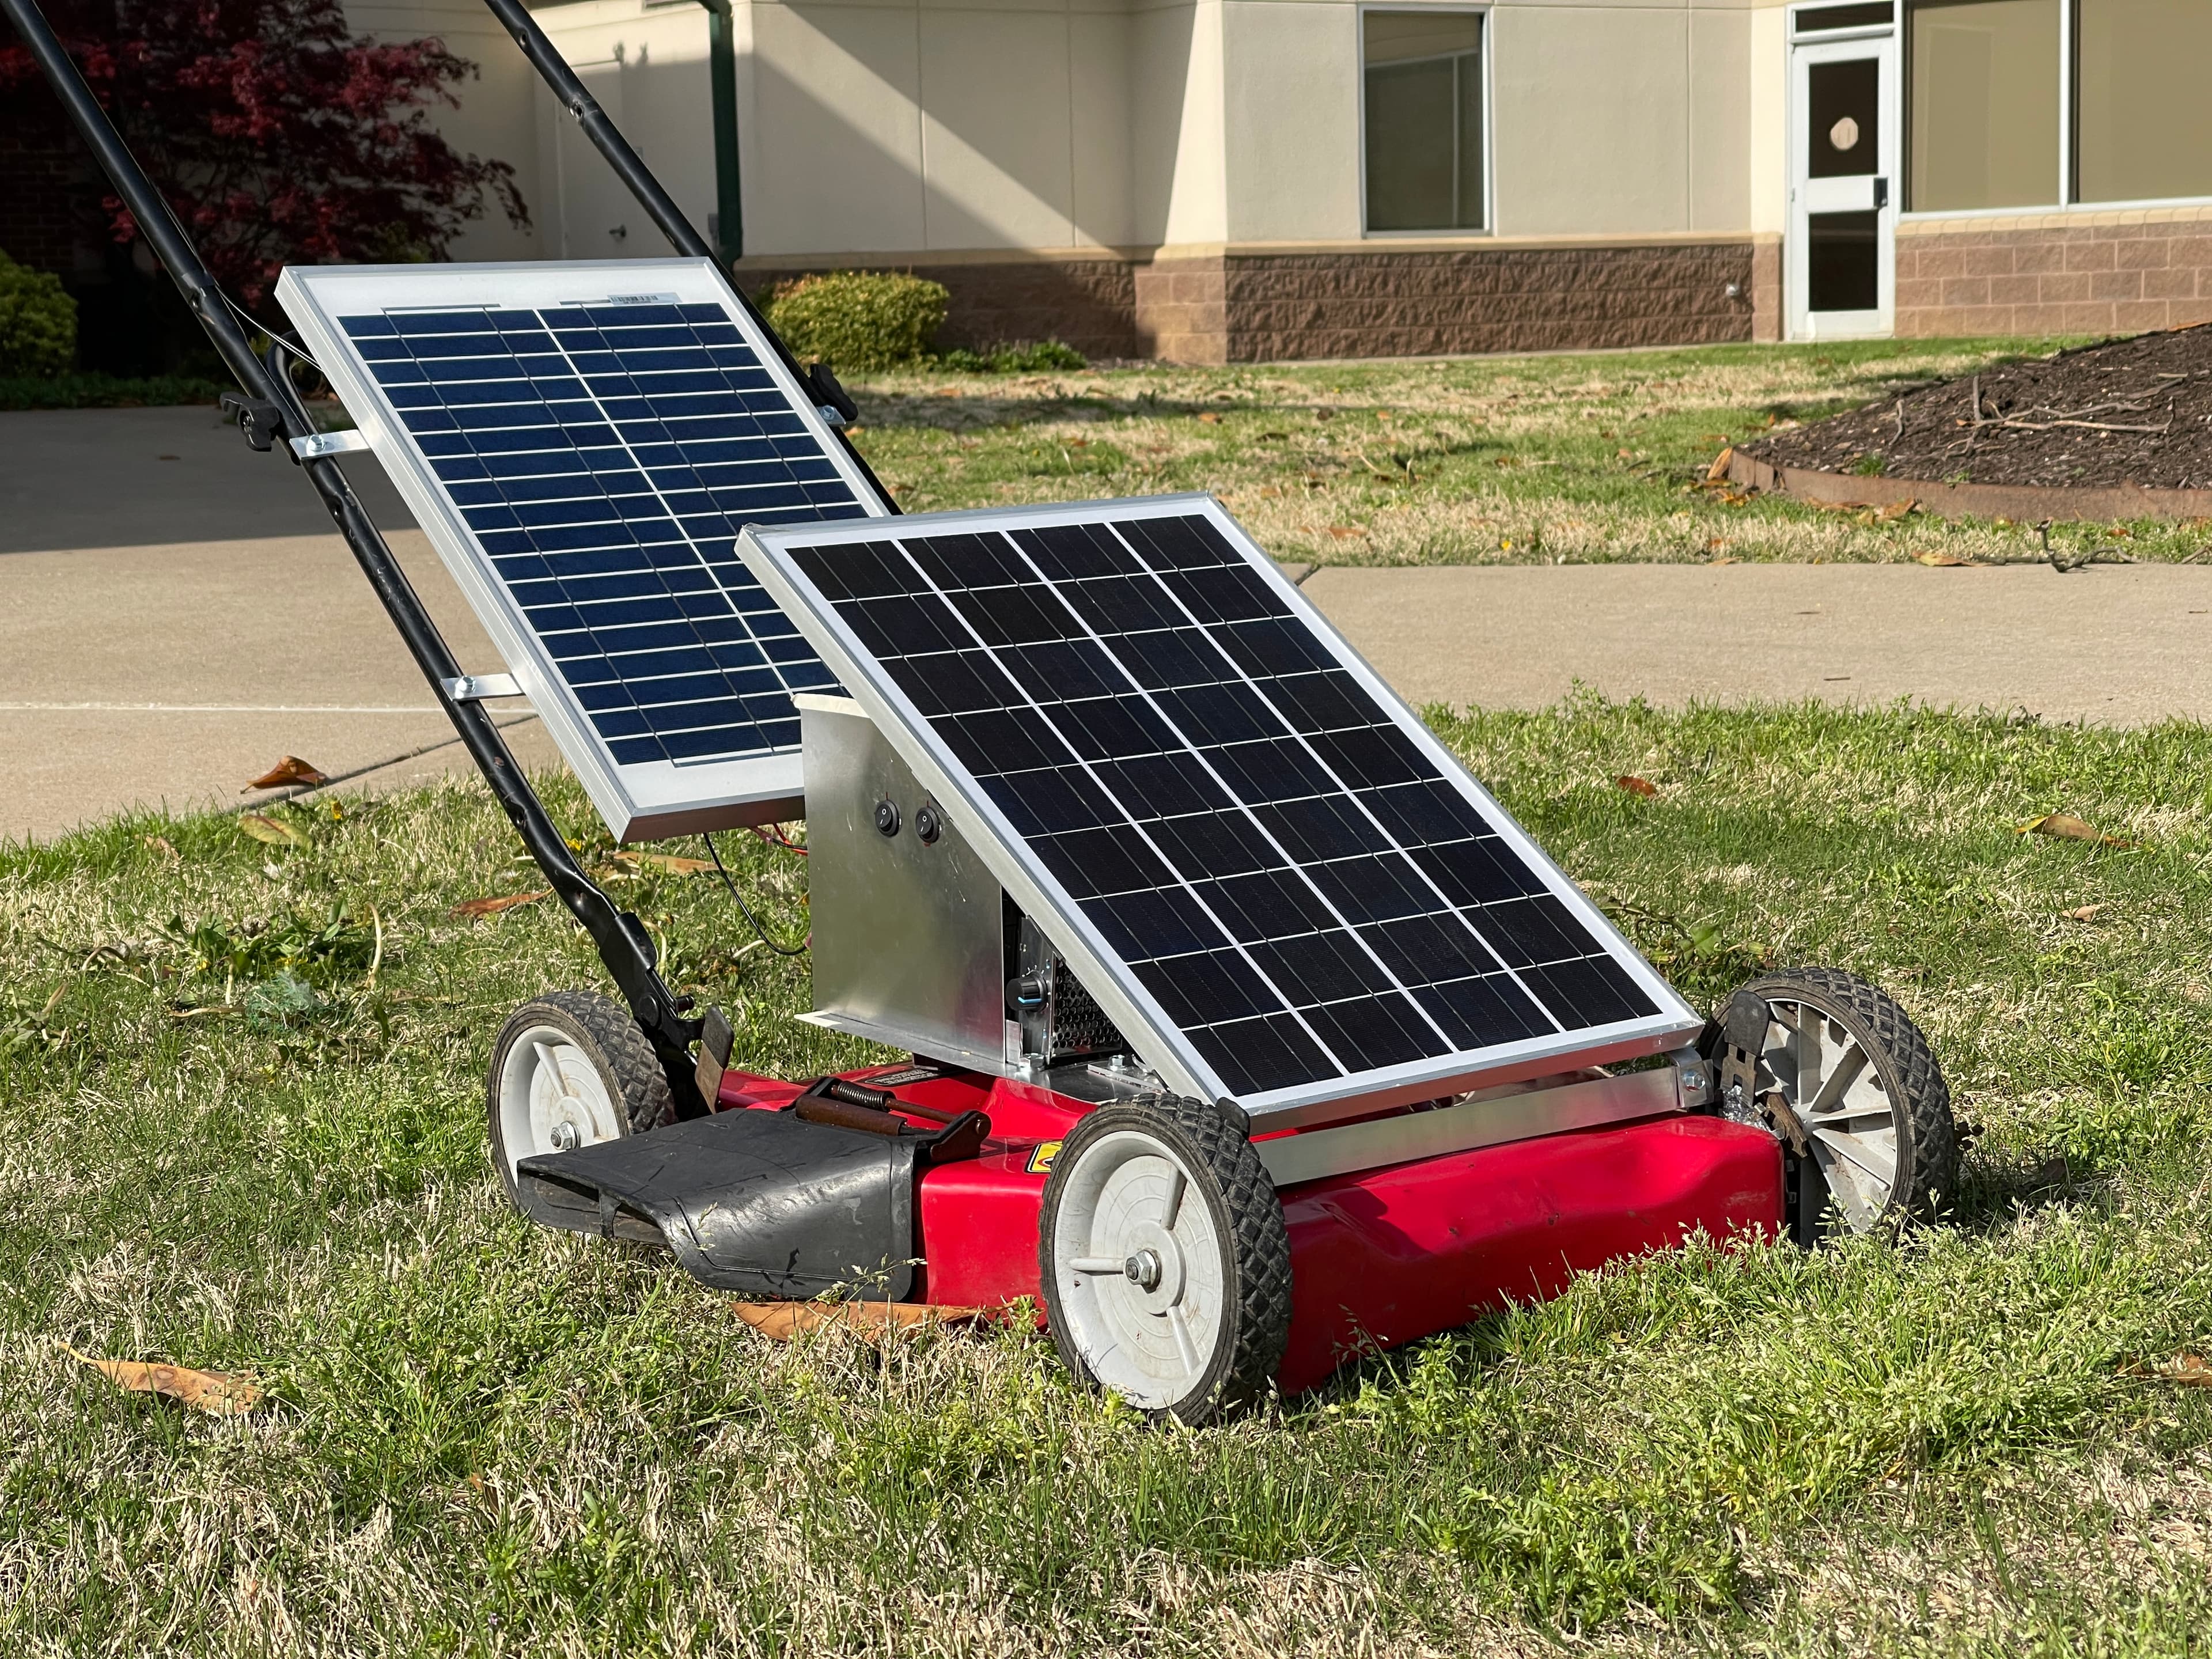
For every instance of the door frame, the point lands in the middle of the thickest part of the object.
(1884, 43)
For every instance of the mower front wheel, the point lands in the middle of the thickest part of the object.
(1862, 1086)
(1165, 1259)
(571, 1069)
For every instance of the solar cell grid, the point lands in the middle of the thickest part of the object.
(1291, 877)
(600, 457)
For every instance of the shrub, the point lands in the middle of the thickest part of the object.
(38, 323)
(858, 319)
(1015, 357)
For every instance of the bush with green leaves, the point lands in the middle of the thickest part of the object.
(1015, 357)
(858, 319)
(38, 323)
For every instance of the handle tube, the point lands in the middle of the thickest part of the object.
(623, 944)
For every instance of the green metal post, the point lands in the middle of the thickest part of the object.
(722, 70)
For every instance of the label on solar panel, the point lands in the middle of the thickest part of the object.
(1273, 876)
(582, 442)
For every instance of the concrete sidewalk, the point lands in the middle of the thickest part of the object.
(169, 629)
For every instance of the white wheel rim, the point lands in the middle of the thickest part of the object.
(1832, 1082)
(551, 1098)
(1140, 1270)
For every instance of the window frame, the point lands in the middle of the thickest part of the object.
(2069, 148)
(1481, 9)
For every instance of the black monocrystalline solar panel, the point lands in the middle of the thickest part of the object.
(584, 459)
(1302, 885)
(605, 457)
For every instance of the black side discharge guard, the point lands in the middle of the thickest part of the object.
(764, 1202)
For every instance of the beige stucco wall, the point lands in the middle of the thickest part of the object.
(914, 126)
(974, 126)
(648, 71)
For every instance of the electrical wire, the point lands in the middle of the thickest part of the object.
(714, 853)
(268, 333)
(773, 835)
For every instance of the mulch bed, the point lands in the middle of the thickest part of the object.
(2128, 412)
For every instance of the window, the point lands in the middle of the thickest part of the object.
(1423, 119)
(2143, 129)
(1984, 87)
(1992, 124)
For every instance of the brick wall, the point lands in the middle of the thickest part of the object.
(1472, 300)
(40, 185)
(2059, 273)
(1258, 307)
(1089, 303)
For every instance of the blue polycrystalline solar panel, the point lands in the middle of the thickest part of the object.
(592, 452)
(1252, 850)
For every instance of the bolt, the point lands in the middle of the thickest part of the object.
(1143, 1270)
(564, 1137)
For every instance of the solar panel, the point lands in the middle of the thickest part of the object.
(1273, 876)
(581, 442)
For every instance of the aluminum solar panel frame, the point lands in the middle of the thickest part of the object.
(1273, 877)
(581, 442)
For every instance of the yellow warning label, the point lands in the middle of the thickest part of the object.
(1042, 1155)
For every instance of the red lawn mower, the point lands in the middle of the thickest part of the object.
(1244, 1033)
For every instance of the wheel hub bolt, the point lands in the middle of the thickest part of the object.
(1143, 1270)
(564, 1137)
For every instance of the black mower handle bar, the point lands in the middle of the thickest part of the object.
(623, 944)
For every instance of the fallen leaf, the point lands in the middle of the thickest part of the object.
(1897, 510)
(1624, 454)
(1725, 558)
(674, 863)
(1210, 417)
(274, 832)
(162, 845)
(215, 1391)
(2190, 1371)
(2066, 827)
(1637, 785)
(492, 907)
(2084, 913)
(780, 1321)
(1718, 469)
(669, 861)
(1942, 561)
(1341, 531)
(287, 772)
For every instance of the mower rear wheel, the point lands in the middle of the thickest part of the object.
(1860, 1077)
(1165, 1259)
(571, 1069)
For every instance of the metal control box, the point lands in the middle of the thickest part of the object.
(909, 928)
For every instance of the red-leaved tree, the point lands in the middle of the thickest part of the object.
(275, 134)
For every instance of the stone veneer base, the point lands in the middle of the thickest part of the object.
(1256, 306)
(2079, 272)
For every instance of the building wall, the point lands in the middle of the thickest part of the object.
(2080, 272)
(1179, 177)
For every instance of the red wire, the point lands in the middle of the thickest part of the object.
(773, 835)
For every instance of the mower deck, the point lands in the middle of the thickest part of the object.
(1381, 1257)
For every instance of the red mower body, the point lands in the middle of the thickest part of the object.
(1379, 1258)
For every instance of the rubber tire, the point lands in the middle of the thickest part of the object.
(604, 1030)
(1228, 1174)
(1927, 1134)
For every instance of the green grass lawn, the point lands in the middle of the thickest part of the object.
(1580, 458)
(241, 1117)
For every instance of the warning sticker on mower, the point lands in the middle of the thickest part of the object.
(1042, 1155)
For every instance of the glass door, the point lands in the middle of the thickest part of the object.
(1842, 196)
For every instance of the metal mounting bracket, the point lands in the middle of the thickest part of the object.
(474, 688)
(330, 443)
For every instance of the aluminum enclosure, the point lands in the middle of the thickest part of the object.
(910, 933)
